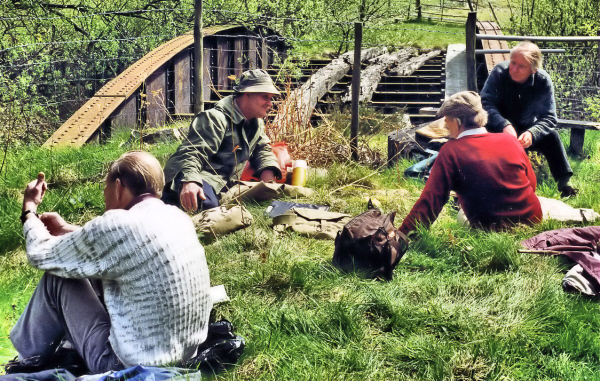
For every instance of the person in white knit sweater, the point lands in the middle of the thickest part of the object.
(155, 299)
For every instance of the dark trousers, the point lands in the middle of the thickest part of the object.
(212, 201)
(66, 309)
(553, 150)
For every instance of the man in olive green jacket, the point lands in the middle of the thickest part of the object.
(220, 142)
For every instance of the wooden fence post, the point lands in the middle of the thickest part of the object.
(598, 59)
(355, 90)
(418, 7)
(471, 40)
(198, 58)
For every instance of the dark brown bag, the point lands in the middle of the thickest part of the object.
(370, 244)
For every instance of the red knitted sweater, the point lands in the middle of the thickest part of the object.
(492, 177)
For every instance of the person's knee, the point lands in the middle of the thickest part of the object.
(209, 203)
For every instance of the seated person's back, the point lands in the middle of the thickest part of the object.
(490, 173)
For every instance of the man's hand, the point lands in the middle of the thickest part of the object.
(188, 197)
(267, 176)
(526, 139)
(34, 193)
(56, 225)
(510, 130)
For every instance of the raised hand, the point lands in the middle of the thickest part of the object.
(34, 193)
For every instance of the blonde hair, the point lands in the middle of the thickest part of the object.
(531, 52)
(139, 172)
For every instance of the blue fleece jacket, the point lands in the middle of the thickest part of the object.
(528, 107)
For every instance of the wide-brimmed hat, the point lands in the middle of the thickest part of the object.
(255, 81)
(459, 105)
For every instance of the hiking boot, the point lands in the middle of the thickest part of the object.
(568, 191)
(28, 365)
(63, 358)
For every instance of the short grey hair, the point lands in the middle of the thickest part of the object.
(531, 52)
(139, 172)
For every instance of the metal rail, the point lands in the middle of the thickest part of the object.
(537, 38)
(496, 51)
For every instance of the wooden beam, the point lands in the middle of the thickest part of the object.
(564, 123)
(471, 29)
(198, 57)
(252, 54)
(183, 94)
(371, 76)
(238, 56)
(207, 79)
(356, 89)
(222, 62)
(296, 110)
(126, 115)
(156, 96)
(264, 54)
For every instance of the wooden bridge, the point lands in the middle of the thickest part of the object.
(160, 84)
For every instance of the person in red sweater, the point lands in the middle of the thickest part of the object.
(490, 173)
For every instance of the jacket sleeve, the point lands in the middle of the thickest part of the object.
(87, 252)
(433, 198)
(204, 139)
(491, 96)
(263, 157)
(545, 107)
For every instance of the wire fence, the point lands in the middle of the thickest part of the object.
(576, 78)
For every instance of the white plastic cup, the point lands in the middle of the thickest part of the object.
(299, 173)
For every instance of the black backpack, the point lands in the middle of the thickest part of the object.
(370, 244)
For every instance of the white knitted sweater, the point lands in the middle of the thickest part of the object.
(156, 282)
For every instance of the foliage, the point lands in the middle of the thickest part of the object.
(56, 55)
(555, 17)
(593, 107)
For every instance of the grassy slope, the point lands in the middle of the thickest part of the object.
(464, 304)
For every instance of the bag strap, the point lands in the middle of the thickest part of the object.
(400, 245)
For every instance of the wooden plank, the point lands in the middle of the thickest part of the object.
(156, 107)
(183, 94)
(491, 28)
(238, 57)
(564, 123)
(126, 114)
(252, 54)
(208, 80)
(222, 62)
(264, 54)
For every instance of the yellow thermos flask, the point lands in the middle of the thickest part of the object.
(299, 173)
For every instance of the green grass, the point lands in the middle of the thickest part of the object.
(463, 305)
